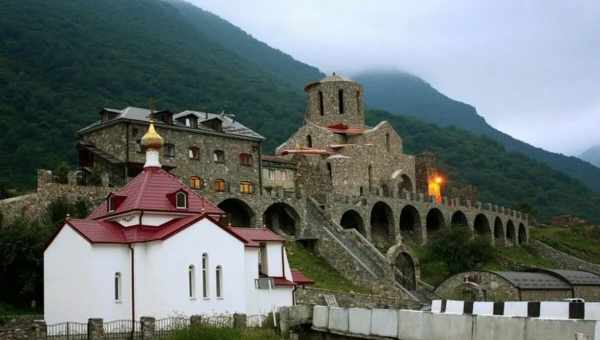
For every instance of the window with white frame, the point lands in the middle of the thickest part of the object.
(118, 293)
(205, 275)
(192, 281)
(219, 281)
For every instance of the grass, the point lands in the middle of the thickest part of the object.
(580, 241)
(315, 267)
(214, 333)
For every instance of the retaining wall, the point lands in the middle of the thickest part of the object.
(417, 325)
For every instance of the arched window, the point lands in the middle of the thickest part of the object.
(181, 200)
(205, 275)
(194, 153)
(246, 187)
(220, 185)
(321, 111)
(110, 203)
(387, 142)
(358, 101)
(118, 287)
(246, 159)
(309, 143)
(219, 279)
(330, 171)
(196, 182)
(341, 100)
(219, 156)
(169, 150)
(192, 281)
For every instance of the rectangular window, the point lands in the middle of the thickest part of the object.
(117, 287)
(220, 185)
(205, 275)
(169, 150)
(219, 279)
(246, 187)
(192, 282)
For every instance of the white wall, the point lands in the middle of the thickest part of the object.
(105, 261)
(275, 268)
(263, 301)
(163, 291)
(66, 274)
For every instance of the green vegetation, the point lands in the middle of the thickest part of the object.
(454, 252)
(22, 245)
(316, 268)
(579, 241)
(405, 94)
(218, 333)
(63, 60)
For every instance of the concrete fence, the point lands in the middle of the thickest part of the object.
(417, 325)
(557, 310)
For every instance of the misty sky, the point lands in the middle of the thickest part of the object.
(532, 68)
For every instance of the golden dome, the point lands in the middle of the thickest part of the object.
(152, 140)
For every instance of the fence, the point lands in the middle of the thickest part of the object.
(145, 328)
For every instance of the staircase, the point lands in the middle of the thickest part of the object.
(364, 262)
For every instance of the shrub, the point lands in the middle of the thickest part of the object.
(460, 251)
(61, 173)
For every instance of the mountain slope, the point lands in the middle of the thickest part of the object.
(281, 66)
(404, 94)
(62, 60)
(592, 155)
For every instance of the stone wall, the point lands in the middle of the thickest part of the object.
(33, 206)
(315, 296)
(563, 260)
(18, 327)
(353, 114)
(491, 287)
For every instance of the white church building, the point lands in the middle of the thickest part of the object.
(156, 248)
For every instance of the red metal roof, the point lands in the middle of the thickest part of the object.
(150, 190)
(255, 235)
(345, 129)
(306, 152)
(96, 231)
(282, 282)
(301, 279)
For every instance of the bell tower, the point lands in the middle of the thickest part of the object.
(335, 100)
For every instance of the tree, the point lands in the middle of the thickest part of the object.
(459, 251)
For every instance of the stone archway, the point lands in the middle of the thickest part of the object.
(511, 236)
(459, 219)
(238, 213)
(410, 224)
(435, 222)
(522, 237)
(351, 219)
(382, 226)
(482, 229)
(405, 266)
(282, 218)
(499, 236)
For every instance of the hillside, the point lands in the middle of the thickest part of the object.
(404, 94)
(63, 60)
(592, 155)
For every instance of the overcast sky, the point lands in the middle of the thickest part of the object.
(532, 68)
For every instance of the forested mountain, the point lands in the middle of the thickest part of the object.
(402, 93)
(592, 155)
(63, 60)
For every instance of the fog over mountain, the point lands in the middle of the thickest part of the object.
(530, 68)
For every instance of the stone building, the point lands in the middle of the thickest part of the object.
(209, 152)
(338, 153)
(532, 285)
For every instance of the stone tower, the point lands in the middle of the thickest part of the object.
(335, 100)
